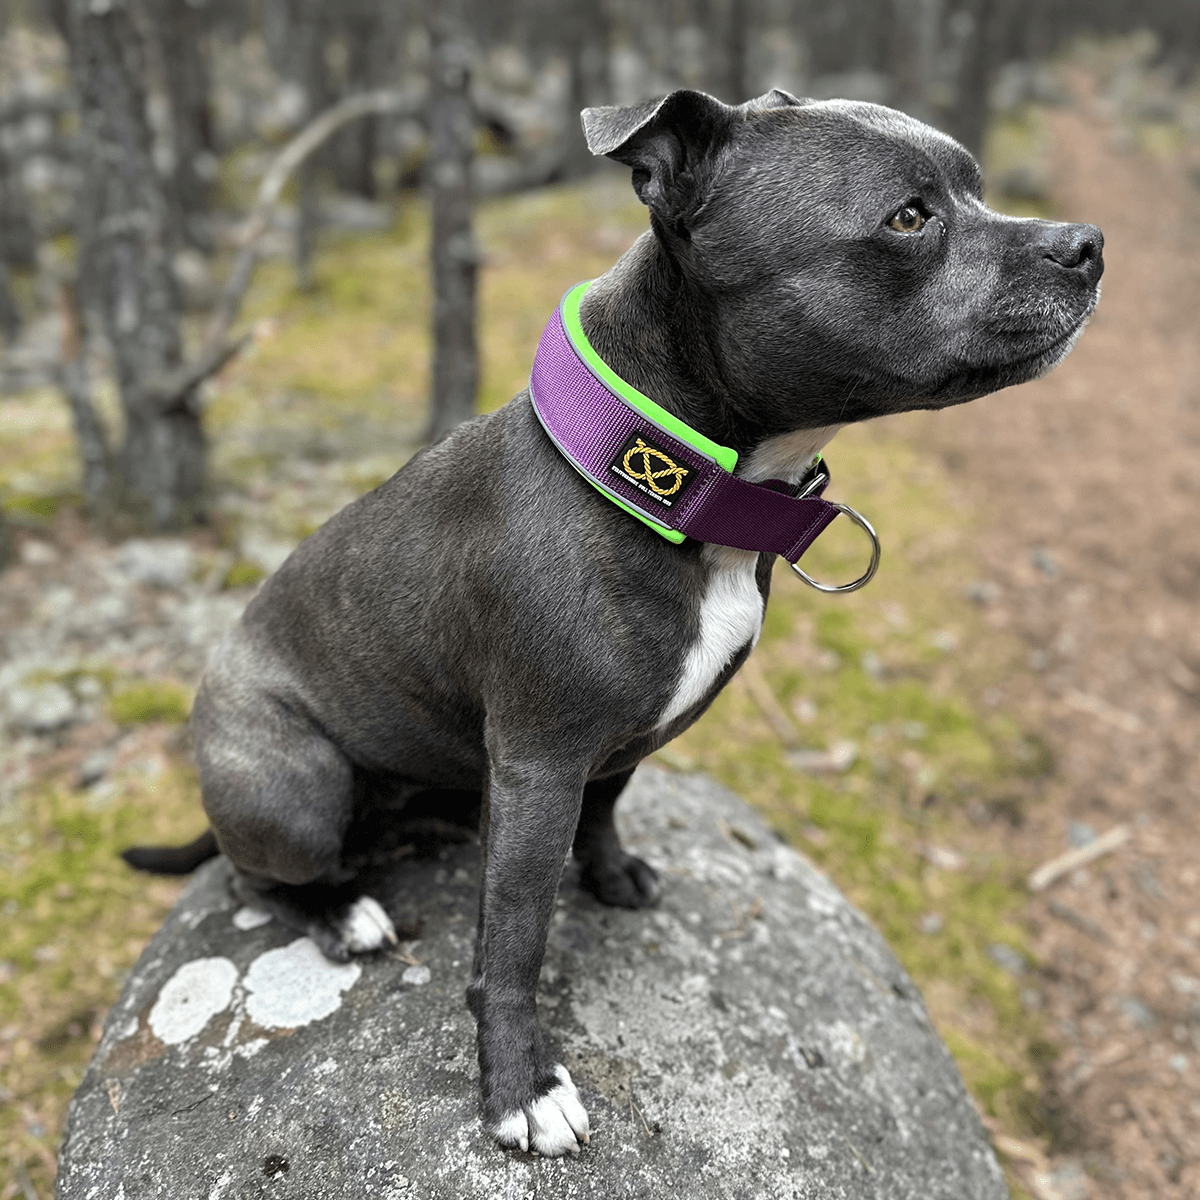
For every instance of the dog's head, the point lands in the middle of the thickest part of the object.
(842, 256)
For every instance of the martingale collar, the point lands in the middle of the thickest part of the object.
(662, 471)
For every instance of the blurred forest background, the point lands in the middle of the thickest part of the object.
(253, 253)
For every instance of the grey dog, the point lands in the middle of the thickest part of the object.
(485, 625)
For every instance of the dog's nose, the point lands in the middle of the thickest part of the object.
(1077, 248)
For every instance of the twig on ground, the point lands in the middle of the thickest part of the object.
(760, 691)
(634, 1108)
(1086, 924)
(1020, 1151)
(854, 1149)
(732, 833)
(1064, 864)
(1102, 710)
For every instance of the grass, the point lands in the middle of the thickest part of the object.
(74, 921)
(336, 383)
(149, 701)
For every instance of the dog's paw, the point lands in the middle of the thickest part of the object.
(362, 928)
(627, 882)
(552, 1125)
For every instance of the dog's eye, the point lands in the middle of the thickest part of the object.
(907, 220)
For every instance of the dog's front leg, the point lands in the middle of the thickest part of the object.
(529, 819)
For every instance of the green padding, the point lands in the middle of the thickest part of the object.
(672, 535)
(724, 456)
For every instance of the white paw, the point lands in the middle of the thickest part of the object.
(555, 1125)
(367, 927)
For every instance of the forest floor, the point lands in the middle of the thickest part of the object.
(1023, 678)
(1088, 487)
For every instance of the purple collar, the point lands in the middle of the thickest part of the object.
(662, 471)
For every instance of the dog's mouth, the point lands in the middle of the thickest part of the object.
(1049, 356)
(972, 380)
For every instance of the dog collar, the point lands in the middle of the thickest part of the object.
(661, 470)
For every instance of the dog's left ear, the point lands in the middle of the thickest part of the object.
(670, 143)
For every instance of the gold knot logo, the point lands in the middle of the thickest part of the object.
(649, 475)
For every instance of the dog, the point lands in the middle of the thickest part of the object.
(487, 625)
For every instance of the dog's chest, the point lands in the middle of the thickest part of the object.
(731, 613)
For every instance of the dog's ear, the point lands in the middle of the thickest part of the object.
(669, 143)
(775, 98)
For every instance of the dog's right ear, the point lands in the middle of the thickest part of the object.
(670, 143)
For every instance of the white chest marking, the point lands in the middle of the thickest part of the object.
(731, 615)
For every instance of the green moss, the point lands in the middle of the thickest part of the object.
(43, 507)
(73, 919)
(152, 700)
(243, 574)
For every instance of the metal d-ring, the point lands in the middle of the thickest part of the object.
(863, 579)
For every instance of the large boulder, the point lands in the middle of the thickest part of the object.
(751, 1037)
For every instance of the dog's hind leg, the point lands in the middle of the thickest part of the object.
(280, 798)
(612, 876)
(340, 919)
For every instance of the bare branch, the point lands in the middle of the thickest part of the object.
(308, 140)
(171, 391)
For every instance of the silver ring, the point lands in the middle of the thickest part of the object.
(863, 579)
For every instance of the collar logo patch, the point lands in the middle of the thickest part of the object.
(651, 470)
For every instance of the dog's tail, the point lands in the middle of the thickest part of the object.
(173, 860)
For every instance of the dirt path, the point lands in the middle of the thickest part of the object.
(1092, 480)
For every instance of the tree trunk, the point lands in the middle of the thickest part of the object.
(738, 52)
(10, 314)
(179, 27)
(94, 458)
(7, 550)
(125, 251)
(309, 30)
(917, 25)
(981, 56)
(587, 44)
(454, 257)
(354, 147)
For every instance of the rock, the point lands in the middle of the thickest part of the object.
(1006, 958)
(1079, 834)
(41, 707)
(161, 562)
(750, 1038)
(269, 553)
(95, 766)
(35, 553)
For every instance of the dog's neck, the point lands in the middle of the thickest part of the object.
(654, 330)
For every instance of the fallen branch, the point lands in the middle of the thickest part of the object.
(1064, 864)
(1102, 710)
(1086, 924)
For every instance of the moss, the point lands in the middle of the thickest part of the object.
(74, 919)
(242, 574)
(45, 508)
(152, 700)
